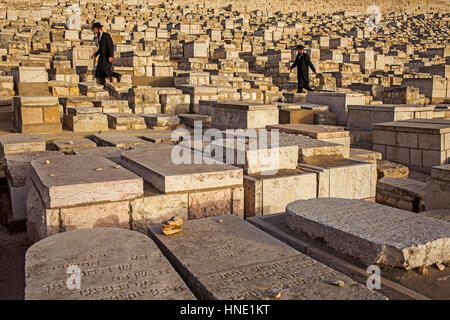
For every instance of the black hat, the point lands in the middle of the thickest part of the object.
(97, 25)
(300, 47)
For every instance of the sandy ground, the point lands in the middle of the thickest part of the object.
(12, 264)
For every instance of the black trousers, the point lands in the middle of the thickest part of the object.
(301, 86)
(102, 80)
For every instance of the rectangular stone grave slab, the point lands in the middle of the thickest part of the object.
(68, 145)
(156, 166)
(20, 142)
(270, 194)
(332, 134)
(111, 153)
(117, 139)
(90, 179)
(438, 188)
(342, 178)
(227, 258)
(372, 233)
(115, 264)
(242, 115)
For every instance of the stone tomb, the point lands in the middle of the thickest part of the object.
(37, 114)
(85, 119)
(119, 140)
(228, 258)
(342, 178)
(372, 233)
(331, 134)
(16, 143)
(337, 102)
(363, 117)
(115, 264)
(438, 188)
(419, 145)
(73, 192)
(18, 167)
(242, 115)
(209, 187)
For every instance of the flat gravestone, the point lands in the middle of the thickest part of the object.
(114, 264)
(228, 258)
(117, 139)
(372, 233)
(156, 165)
(73, 180)
(20, 142)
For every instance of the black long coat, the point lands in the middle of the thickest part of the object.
(105, 51)
(302, 62)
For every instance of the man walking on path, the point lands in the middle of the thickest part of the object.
(302, 62)
(106, 54)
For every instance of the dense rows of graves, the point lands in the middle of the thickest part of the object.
(362, 170)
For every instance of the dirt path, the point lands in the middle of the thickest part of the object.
(12, 264)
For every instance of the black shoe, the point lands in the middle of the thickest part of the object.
(119, 77)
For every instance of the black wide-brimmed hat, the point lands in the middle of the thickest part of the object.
(97, 25)
(300, 47)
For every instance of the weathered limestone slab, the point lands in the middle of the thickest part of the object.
(156, 166)
(90, 179)
(218, 262)
(372, 233)
(118, 139)
(342, 178)
(243, 115)
(419, 144)
(17, 142)
(295, 116)
(115, 264)
(111, 153)
(403, 193)
(332, 134)
(337, 102)
(37, 114)
(161, 120)
(438, 188)
(363, 117)
(265, 195)
(68, 145)
(85, 119)
(391, 169)
(254, 157)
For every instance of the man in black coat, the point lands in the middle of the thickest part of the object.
(105, 53)
(302, 62)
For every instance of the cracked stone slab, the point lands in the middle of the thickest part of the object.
(228, 258)
(372, 233)
(115, 264)
(74, 180)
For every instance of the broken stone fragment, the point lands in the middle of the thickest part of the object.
(440, 266)
(98, 169)
(422, 270)
(277, 296)
(172, 226)
(339, 283)
(47, 161)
